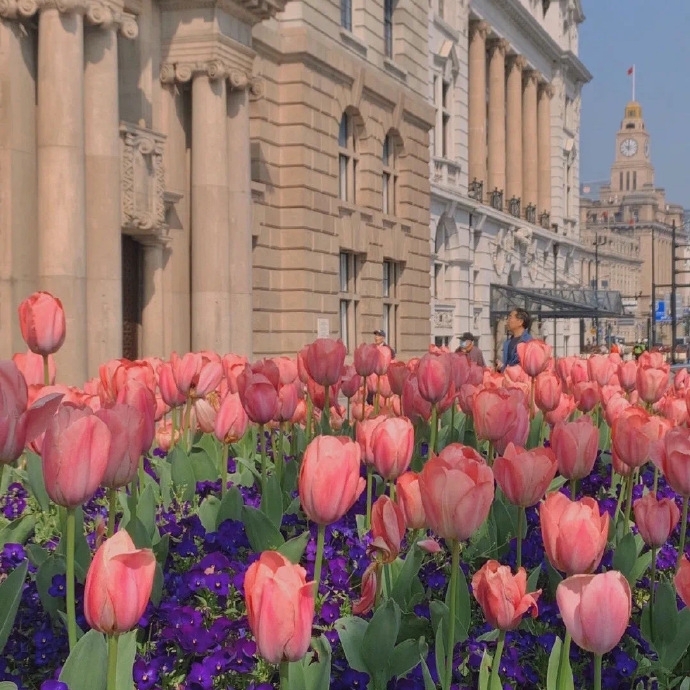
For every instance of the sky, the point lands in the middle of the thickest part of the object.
(653, 35)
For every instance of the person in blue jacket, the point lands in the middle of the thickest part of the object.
(518, 324)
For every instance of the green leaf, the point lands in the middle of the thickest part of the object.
(404, 658)
(7, 685)
(126, 651)
(82, 550)
(34, 473)
(161, 548)
(17, 531)
(164, 472)
(36, 554)
(146, 511)
(674, 650)
(463, 608)
(261, 532)
(208, 513)
(426, 674)
(533, 579)
(139, 534)
(53, 565)
(604, 435)
(230, 506)
(293, 549)
(380, 636)
(317, 665)
(485, 671)
(272, 501)
(535, 430)
(290, 474)
(554, 661)
(204, 466)
(402, 587)
(182, 473)
(351, 631)
(625, 555)
(641, 564)
(85, 668)
(10, 596)
(665, 623)
(440, 649)
(158, 582)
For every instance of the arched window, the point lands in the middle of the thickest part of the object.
(390, 176)
(347, 159)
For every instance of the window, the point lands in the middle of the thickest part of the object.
(437, 281)
(442, 99)
(441, 9)
(620, 181)
(349, 299)
(627, 180)
(442, 341)
(634, 179)
(390, 176)
(391, 301)
(347, 159)
(388, 27)
(346, 14)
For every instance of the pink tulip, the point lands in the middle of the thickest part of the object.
(493, 410)
(627, 375)
(534, 356)
(517, 430)
(629, 437)
(652, 377)
(329, 481)
(682, 580)
(564, 366)
(525, 475)
(31, 366)
(369, 588)
(574, 533)
(280, 607)
(397, 374)
(118, 585)
(288, 397)
(615, 406)
(287, 369)
(42, 323)
(75, 455)
(566, 407)
(415, 407)
(586, 396)
(547, 391)
(674, 408)
(258, 395)
(457, 492)
(434, 377)
(595, 609)
(164, 436)
(655, 519)
(409, 499)
(140, 397)
(601, 368)
(231, 420)
(351, 382)
(363, 435)
(575, 445)
(324, 360)
(673, 459)
(366, 358)
(503, 596)
(392, 443)
(387, 529)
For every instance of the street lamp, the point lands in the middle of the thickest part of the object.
(597, 244)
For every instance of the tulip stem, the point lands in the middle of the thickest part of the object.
(656, 479)
(621, 493)
(70, 529)
(173, 427)
(450, 643)
(451, 436)
(573, 489)
(325, 416)
(652, 592)
(434, 431)
(142, 475)
(520, 528)
(223, 470)
(309, 421)
(376, 399)
(46, 371)
(284, 672)
(495, 681)
(597, 671)
(391, 490)
(683, 531)
(112, 510)
(187, 424)
(320, 539)
(262, 450)
(563, 662)
(628, 500)
(370, 481)
(279, 456)
(364, 394)
(112, 662)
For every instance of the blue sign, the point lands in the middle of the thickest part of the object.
(660, 310)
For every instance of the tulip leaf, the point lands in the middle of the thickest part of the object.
(484, 672)
(535, 430)
(351, 631)
(208, 513)
(380, 637)
(641, 564)
(290, 474)
(314, 670)
(554, 662)
(126, 651)
(34, 472)
(426, 674)
(204, 467)
(440, 650)
(604, 435)
(10, 595)
(183, 477)
(7, 685)
(157, 587)
(665, 623)
(463, 608)
(36, 554)
(164, 472)
(625, 555)
(272, 501)
(230, 506)
(51, 566)
(405, 657)
(263, 535)
(402, 587)
(674, 650)
(293, 549)
(18, 531)
(138, 532)
(146, 511)
(82, 550)
(533, 579)
(86, 664)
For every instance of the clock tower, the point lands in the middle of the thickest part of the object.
(632, 169)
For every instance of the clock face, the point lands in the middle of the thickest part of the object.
(628, 147)
(646, 149)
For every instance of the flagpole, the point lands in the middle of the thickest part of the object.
(633, 75)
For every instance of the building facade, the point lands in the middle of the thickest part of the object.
(240, 176)
(627, 232)
(506, 83)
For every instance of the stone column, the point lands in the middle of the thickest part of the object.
(61, 193)
(240, 210)
(529, 139)
(153, 300)
(544, 148)
(497, 115)
(103, 205)
(211, 248)
(514, 127)
(477, 101)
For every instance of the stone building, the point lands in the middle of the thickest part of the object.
(506, 82)
(627, 227)
(241, 175)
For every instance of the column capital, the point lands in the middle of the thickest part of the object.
(546, 90)
(107, 15)
(498, 44)
(531, 77)
(480, 29)
(518, 62)
(182, 72)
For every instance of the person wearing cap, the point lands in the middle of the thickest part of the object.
(380, 339)
(468, 348)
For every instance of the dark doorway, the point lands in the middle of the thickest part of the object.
(131, 297)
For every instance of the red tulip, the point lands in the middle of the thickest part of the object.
(503, 596)
(392, 443)
(682, 580)
(547, 391)
(575, 445)
(387, 529)
(366, 358)
(409, 498)
(534, 356)
(457, 492)
(415, 407)
(324, 360)
(351, 382)
(397, 375)
(369, 588)
(493, 410)
(258, 395)
(118, 585)
(655, 519)
(433, 377)
(42, 323)
(329, 481)
(574, 533)
(280, 607)
(595, 609)
(75, 455)
(525, 475)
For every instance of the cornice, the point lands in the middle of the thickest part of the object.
(238, 79)
(249, 11)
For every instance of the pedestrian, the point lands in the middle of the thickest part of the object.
(468, 346)
(380, 339)
(518, 324)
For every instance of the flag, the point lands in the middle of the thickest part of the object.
(631, 70)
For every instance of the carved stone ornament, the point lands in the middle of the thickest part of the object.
(443, 319)
(182, 72)
(142, 181)
(502, 253)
